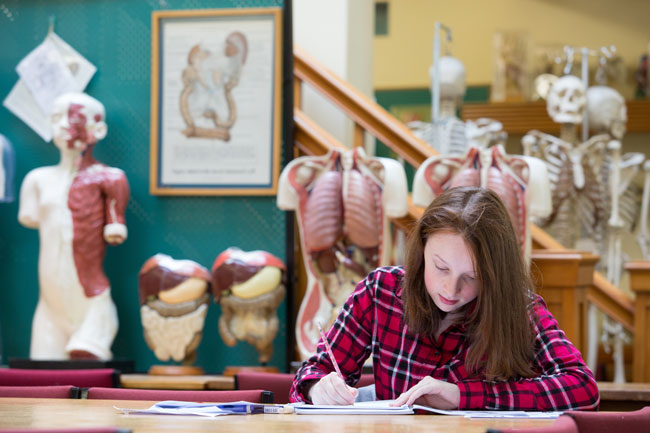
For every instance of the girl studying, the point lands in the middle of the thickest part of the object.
(457, 327)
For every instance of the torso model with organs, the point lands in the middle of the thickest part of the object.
(77, 206)
(521, 182)
(343, 203)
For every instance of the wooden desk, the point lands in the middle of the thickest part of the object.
(149, 381)
(623, 396)
(67, 413)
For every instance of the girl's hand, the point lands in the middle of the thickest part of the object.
(332, 390)
(431, 392)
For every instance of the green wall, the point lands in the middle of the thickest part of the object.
(115, 35)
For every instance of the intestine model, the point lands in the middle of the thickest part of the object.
(206, 102)
(343, 203)
(521, 182)
(249, 286)
(174, 296)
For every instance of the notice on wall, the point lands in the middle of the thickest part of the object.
(48, 71)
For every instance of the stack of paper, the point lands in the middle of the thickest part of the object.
(383, 407)
(380, 407)
(171, 407)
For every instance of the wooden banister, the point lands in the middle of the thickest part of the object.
(563, 278)
(364, 111)
(375, 120)
(640, 283)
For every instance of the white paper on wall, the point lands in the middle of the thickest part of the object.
(43, 80)
(45, 74)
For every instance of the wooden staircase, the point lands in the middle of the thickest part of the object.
(569, 296)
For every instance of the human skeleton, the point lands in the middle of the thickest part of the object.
(449, 135)
(594, 198)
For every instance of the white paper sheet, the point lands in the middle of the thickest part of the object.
(22, 102)
(173, 407)
(382, 407)
(45, 74)
(491, 413)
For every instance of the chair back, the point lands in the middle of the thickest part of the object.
(564, 424)
(637, 421)
(253, 396)
(104, 377)
(55, 391)
(365, 380)
(278, 383)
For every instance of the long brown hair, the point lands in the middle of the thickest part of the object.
(499, 327)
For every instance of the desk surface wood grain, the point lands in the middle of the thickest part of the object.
(67, 413)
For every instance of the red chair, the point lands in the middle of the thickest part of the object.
(253, 396)
(564, 424)
(637, 421)
(55, 391)
(365, 380)
(104, 377)
(279, 383)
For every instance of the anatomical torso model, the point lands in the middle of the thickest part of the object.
(77, 206)
(343, 203)
(521, 182)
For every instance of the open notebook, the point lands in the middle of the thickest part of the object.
(382, 407)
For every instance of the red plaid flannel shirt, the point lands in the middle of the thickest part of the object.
(370, 323)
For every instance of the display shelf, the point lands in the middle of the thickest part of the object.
(521, 117)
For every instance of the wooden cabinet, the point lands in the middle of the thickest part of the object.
(521, 117)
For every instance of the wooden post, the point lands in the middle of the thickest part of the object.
(359, 134)
(563, 278)
(640, 284)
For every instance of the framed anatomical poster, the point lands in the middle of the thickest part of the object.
(215, 102)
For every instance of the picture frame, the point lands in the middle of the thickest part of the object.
(216, 77)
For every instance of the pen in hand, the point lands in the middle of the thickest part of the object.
(329, 351)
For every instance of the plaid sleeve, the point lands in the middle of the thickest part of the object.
(350, 338)
(565, 382)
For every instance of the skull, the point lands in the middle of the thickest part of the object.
(452, 78)
(567, 100)
(606, 110)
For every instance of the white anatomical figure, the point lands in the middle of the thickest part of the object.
(78, 207)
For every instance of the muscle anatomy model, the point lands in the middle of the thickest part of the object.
(78, 207)
(343, 203)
